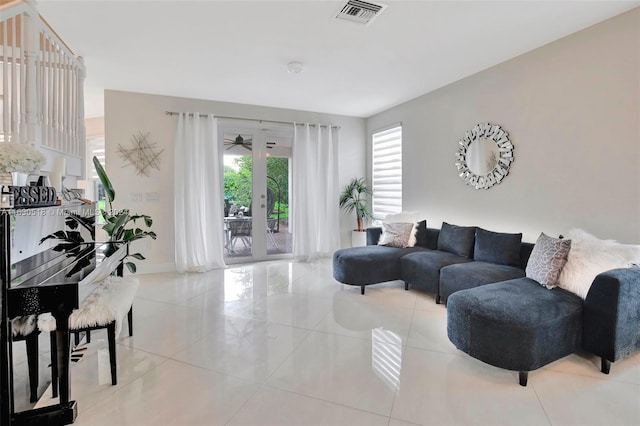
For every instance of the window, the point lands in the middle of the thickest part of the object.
(387, 172)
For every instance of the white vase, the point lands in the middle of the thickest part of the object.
(19, 179)
(358, 239)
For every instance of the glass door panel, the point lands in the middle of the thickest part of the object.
(279, 237)
(238, 195)
(257, 176)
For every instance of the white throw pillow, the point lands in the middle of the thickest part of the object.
(398, 234)
(402, 217)
(590, 256)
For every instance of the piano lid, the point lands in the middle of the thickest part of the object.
(53, 268)
(29, 226)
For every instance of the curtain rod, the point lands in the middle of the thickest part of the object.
(259, 120)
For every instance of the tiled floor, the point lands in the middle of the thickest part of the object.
(282, 343)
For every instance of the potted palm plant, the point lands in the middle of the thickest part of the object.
(354, 199)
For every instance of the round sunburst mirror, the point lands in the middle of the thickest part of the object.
(484, 156)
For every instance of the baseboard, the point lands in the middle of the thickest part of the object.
(157, 268)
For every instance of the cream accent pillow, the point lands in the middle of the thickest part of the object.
(402, 217)
(590, 256)
(399, 235)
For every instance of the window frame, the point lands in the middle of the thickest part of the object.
(377, 214)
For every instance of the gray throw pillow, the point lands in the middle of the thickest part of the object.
(497, 247)
(457, 239)
(547, 259)
(399, 235)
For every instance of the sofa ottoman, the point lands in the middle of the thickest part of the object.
(516, 325)
(370, 264)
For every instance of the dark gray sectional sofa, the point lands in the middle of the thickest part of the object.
(423, 267)
(495, 313)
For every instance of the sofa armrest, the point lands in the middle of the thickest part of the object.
(373, 235)
(611, 318)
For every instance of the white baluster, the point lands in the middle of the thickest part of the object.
(5, 84)
(60, 99)
(74, 113)
(67, 105)
(50, 93)
(41, 87)
(81, 131)
(15, 137)
(56, 97)
(31, 99)
(23, 80)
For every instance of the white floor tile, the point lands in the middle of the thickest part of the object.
(21, 385)
(174, 287)
(444, 389)
(625, 370)
(319, 285)
(176, 394)
(279, 408)
(144, 308)
(427, 302)
(357, 318)
(342, 370)
(396, 422)
(286, 309)
(579, 400)
(169, 330)
(90, 377)
(429, 331)
(248, 349)
(389, 293)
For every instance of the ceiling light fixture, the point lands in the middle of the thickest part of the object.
(295, 67)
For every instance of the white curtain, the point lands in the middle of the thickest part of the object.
(315, 213)
(198, 204)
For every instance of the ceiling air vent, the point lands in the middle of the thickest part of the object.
(362, 12)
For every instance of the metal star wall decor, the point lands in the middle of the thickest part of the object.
(143, 156)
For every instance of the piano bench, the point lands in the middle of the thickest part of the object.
(105, 307)
(24, 328)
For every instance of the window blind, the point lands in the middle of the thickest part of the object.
(387, 172)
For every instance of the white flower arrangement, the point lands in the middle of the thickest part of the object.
(20, 157)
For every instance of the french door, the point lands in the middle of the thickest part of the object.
(257, 170)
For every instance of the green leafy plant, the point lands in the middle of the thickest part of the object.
(120, 225)
(354, 198)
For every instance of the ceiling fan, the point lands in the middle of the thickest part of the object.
(243, 142)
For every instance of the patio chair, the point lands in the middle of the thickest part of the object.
(239, 229)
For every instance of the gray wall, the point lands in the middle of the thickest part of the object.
(572, 110)
(128, 113)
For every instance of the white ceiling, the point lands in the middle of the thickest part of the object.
(238, 51)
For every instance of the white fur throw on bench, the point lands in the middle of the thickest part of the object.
(23, 326)
(110, 301)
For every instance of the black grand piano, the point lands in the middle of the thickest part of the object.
(36, 279)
